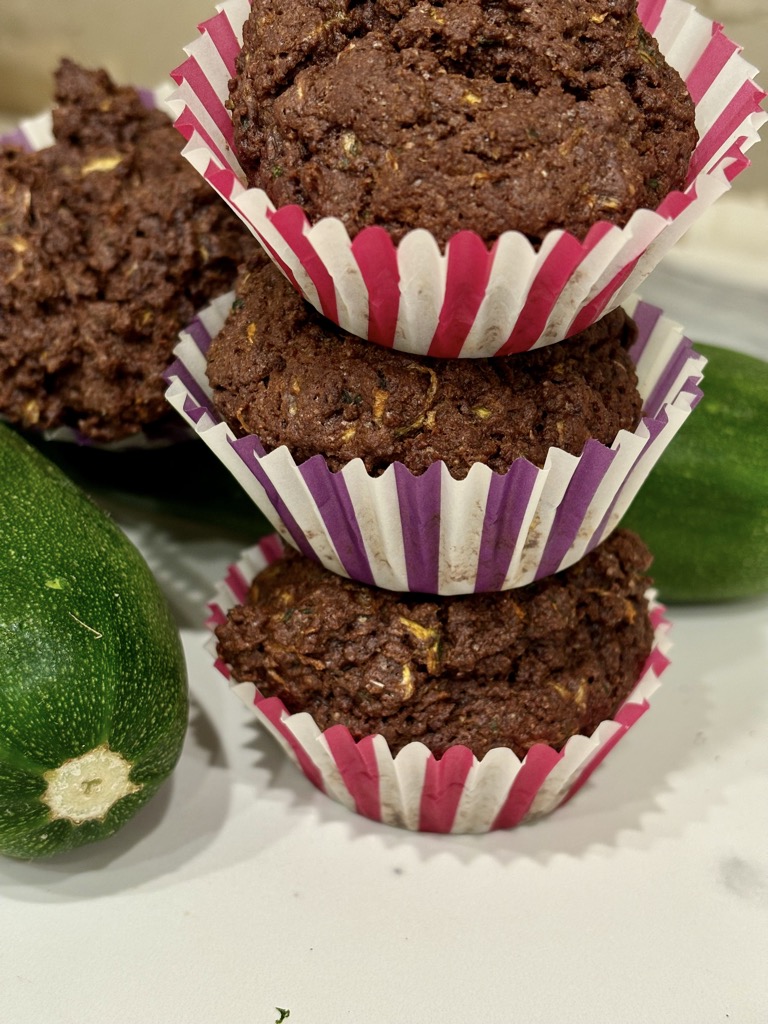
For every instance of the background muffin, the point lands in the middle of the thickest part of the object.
(109, 242)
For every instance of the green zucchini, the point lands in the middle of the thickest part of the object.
(703, 511)
(93, 683)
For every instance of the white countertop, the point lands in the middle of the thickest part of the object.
(240, 889)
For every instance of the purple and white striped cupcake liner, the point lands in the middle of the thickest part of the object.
(432, 533)
(456, 793)
(36, 133)
(474, 300)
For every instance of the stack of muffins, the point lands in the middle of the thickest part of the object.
(439, 403)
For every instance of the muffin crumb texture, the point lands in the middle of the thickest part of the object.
(534, 665)
(281, 371)
(109, 243)
(462, 114)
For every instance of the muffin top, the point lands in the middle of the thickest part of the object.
(109, 243)
(525, 115)
(281, 371)
(533, 665)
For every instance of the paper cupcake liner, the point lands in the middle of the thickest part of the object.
(475, 300)
(36, 133)
(432, 533)
(456, 793)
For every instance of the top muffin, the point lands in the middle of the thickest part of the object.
(489, 115)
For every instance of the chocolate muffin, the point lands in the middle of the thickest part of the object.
(534, 665)
(281, 371)
(524, 115)
(109, 243)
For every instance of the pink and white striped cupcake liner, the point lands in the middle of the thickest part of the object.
(432, 533)
(456, 793)
(473, 300)
(36, 133)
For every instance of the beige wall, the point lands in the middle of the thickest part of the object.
(137, 41)
(746, 22)
(140, 41)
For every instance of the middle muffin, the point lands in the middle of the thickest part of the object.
(281, 371)
(437, 476)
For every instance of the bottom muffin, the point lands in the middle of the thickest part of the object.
(445, 714)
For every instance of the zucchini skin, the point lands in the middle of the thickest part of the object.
(89, 654)
(703, 511)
